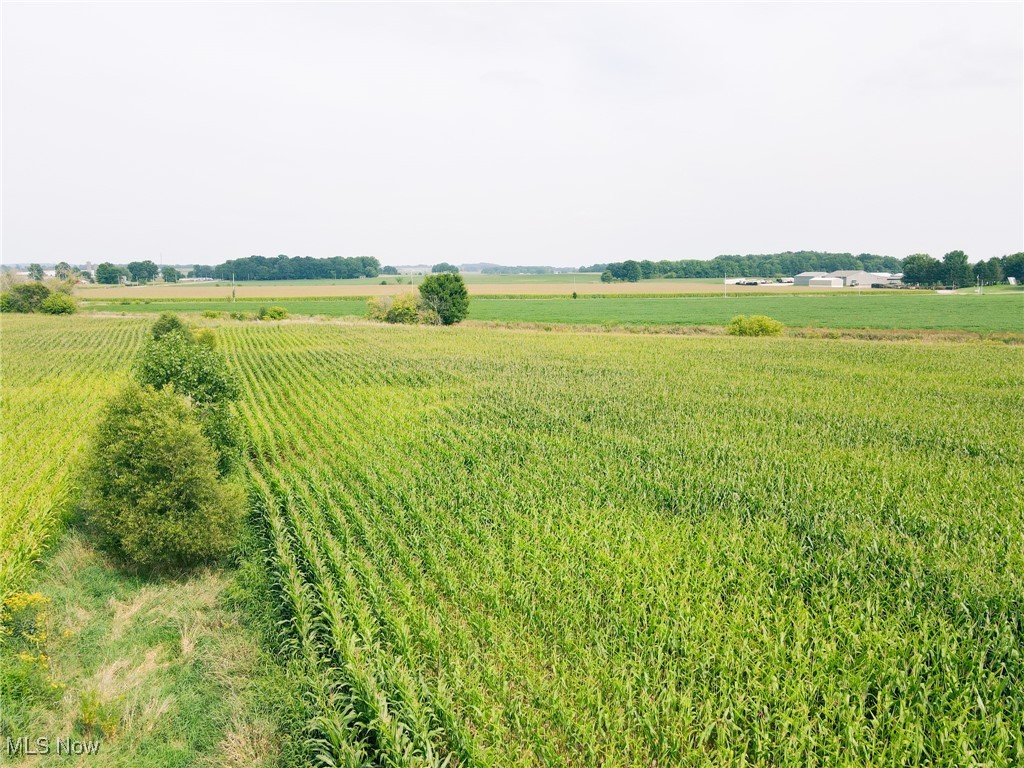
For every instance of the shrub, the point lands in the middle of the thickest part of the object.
(168, 322)
(446, 294)
(755, 325)
(272, 313)
(58, 304)
(211, 313)
(404, 308)
(195, 370)
(154, 495)
(26, 297)
(242, 316)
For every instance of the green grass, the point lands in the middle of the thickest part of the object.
(993, 312)
(160, 672)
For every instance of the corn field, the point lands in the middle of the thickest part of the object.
(56, 373)
(516, 548)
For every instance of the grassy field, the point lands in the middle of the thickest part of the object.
(995, 312)
(504, 547)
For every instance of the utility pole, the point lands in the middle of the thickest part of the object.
(232, 287)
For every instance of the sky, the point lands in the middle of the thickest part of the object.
(556, 134)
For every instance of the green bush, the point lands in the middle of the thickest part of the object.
(242, 316)
(58, 304)
(446, 294)
(196, 370)
(168, 322)
(272, 313)
(404, 308)
(755, 325)
(211, 313)
(154, 495)
(26, 297)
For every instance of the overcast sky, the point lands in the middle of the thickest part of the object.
(513, 133)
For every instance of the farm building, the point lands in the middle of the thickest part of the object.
(825, 282)
(857, 278)
(804, 278)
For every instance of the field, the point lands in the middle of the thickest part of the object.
(54, 380)
(505, 547)
(479, 285)
(994, 312)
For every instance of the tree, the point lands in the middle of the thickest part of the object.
(446, 294)
(607, 277)
(632, 271)
(143, 271)
(956, 269)
(989, 272)
(35, 272)
(196, 370)
(921, 269)
(110, 274)
(1013, 266)
(389, 270)
(26, 297)
(153, 493)
(444, 266)
(63, 270)
(171, 275)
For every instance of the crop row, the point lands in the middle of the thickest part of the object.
(513, 548)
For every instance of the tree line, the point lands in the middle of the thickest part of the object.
(297, 268)
(917, 269)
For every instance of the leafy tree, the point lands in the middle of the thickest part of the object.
(58, 304)
(297, 268)
(607, 277)
(632, 271)
(989, 272)
(63, 270)
(1013, 266)
(444, 266)
(35, 272)
(195, 370)
(110, 274)
(26, 297)
(956, 269)
(446, 294)
(201, 270)
(171, 275)
(153, 493)
(921, 269)
(389, 270)
(143, 271)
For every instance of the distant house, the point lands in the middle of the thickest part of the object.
(804, 278)
(825, 282)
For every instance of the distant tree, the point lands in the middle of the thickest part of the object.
(87, 276)
(444, 266)
(389, 270)
(171, 275)
(63, 270)
(632, 271)
(143, 271)
(110, 274)
(201, 270)
(152, 492)
(446, 294)
(24, 297)
(35, 272)
(989, 272)
(956, 269)
(921, 269)
(607, 277)
(1013, 266)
